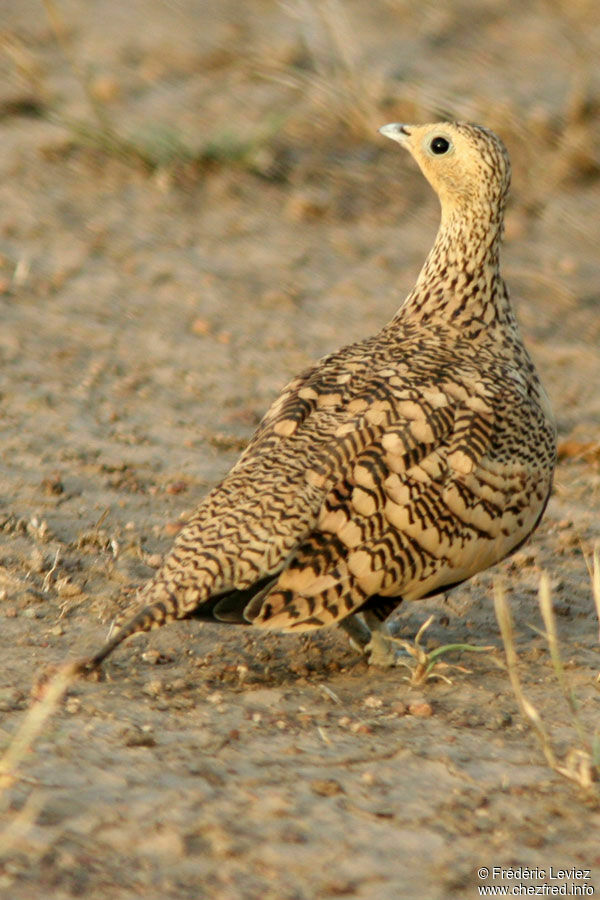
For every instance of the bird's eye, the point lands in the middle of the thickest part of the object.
(439, 145)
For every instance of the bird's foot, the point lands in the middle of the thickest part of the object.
(382, 650)
(376, 640)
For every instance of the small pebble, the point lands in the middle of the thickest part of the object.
(10, 698)
(420, 709)
(153, 688)
(326, 787)
(32, 612)
(373, 702)
(361, 728)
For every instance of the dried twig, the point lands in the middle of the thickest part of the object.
(581, 764)
(18, 748)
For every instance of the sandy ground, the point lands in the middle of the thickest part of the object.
(160, 280)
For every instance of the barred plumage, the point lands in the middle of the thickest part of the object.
(395, 468)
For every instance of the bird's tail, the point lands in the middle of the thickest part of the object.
(149, 617)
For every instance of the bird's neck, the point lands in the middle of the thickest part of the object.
(460, 283)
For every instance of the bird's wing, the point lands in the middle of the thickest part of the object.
(418, 503)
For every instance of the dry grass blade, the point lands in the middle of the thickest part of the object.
(595, 576)
(29, 729)
(551, 636)
(62, 38)
(527, 708)
(33, 723)
(331, 695)
(581, 764)
(339, 80)
(21, 823)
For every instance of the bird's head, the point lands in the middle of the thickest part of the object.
(466, 165)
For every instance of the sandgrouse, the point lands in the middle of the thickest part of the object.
(393, 469)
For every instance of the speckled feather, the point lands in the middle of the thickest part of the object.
(395, 468)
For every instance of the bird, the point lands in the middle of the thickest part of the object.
(393, 469)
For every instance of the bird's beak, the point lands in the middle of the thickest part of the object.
(396, 131)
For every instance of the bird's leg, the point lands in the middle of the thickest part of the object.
(357, 631)
(382, 649)
(374, 638)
